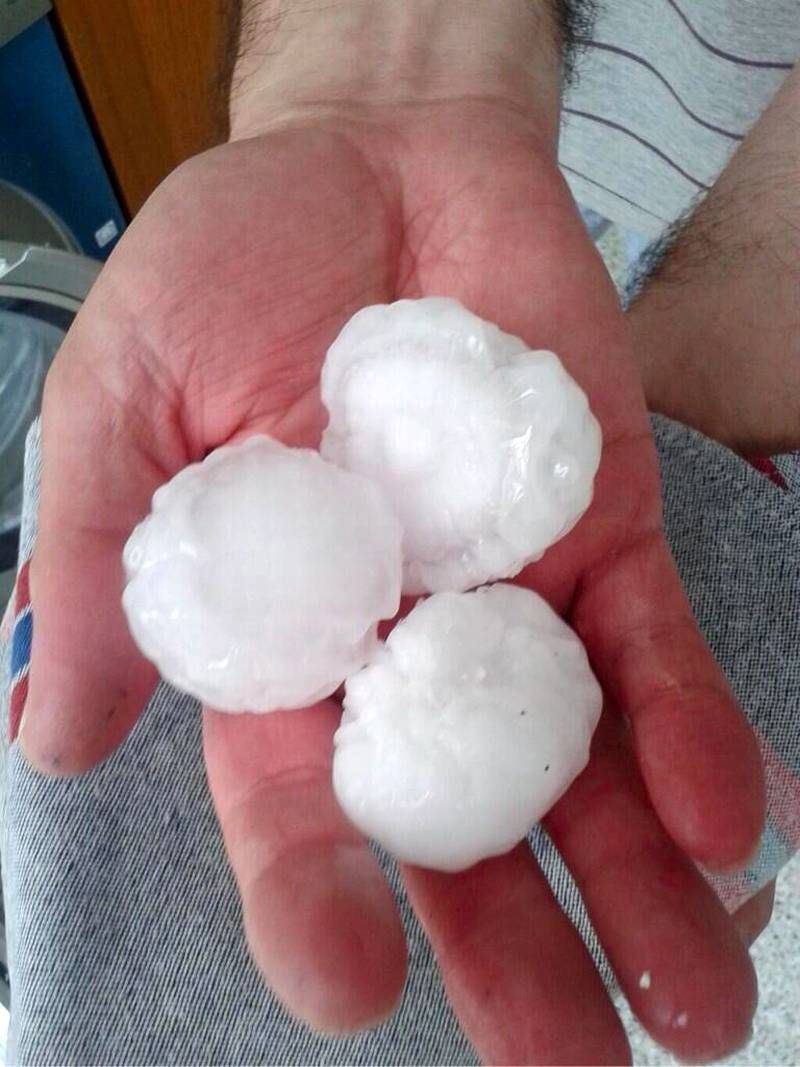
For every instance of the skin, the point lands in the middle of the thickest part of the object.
(187, 343)
(754, 917)
(717, 331)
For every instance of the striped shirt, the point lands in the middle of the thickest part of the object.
(664, 92)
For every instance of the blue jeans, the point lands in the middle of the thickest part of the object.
(124, 933)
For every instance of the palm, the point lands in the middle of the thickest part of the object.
(211, 323)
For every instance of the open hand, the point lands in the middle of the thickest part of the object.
(209, 323)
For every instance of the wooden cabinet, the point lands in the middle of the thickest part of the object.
(149, 73)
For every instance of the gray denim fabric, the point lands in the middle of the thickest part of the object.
(124, 929)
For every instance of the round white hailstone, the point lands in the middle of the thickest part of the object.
(486, 450)
(466, 727)
(259, 577)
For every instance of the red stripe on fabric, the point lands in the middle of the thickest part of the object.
(23, 589)
(783, 795)
(19, 694)
(766, 466)
(732, 889)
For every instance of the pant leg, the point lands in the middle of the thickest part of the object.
(124, 929)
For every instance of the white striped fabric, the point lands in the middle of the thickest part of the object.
(663, 94)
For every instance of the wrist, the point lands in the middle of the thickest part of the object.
(300, 59)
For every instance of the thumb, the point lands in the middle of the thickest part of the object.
(107, 443)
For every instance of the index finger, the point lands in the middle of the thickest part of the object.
(107, 442)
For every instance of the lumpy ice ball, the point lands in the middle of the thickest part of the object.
(258, 578)
(466, 727)
(487, 450)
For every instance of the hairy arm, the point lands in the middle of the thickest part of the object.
(285, 55)
(717, 328)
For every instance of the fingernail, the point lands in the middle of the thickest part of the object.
(693, 1062)
(748, 1037)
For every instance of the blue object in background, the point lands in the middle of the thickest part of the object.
(46, 144)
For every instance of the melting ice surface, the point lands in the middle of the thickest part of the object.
(466, 727)
(259, 577)
(486, 450)
(454, 455)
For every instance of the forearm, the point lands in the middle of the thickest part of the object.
(307, 56)
(717, 329)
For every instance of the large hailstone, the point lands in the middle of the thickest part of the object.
(466, 727)
(259, 577)
(487, 450)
